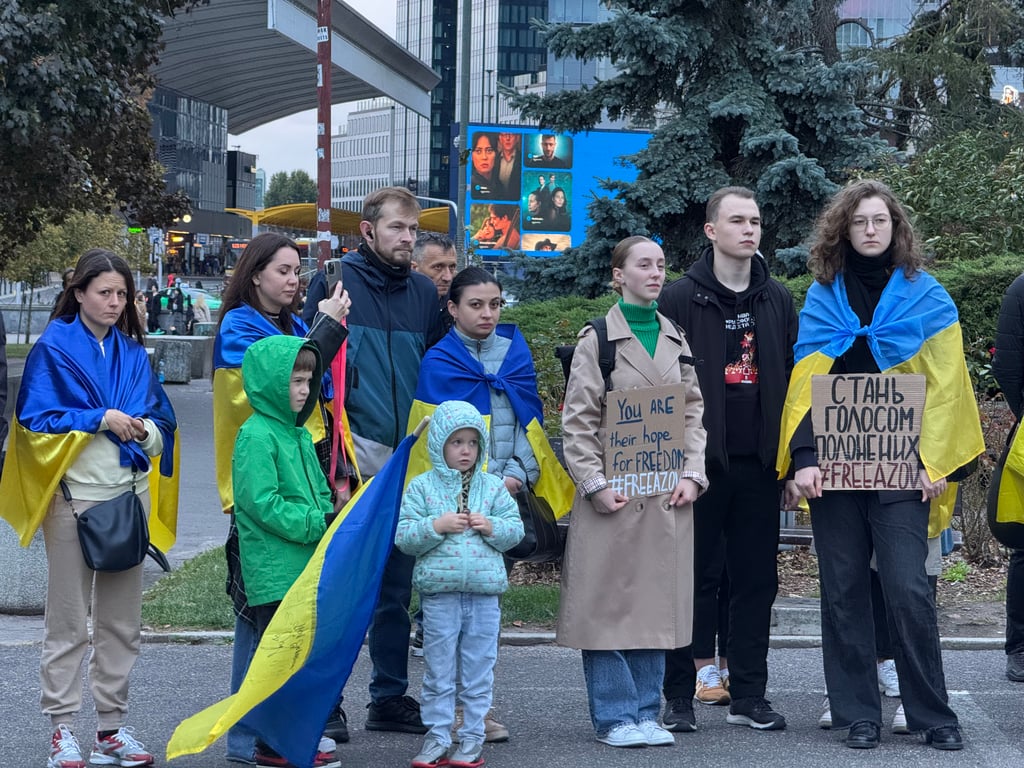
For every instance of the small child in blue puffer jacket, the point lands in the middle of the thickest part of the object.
(457, 520)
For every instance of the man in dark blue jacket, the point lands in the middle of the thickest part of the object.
(394, 319)
(741, 326)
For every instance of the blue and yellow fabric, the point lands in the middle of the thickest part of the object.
(1009, 498)
(462, 377)
(915, 329)
(307, 653)
(67, 387)
(242, 327)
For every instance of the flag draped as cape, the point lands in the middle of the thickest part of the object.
(449, 372)
(1009, 484)
(241, 328)
(307, 653)
(68, 385)
(915, 329)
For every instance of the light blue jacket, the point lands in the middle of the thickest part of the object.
(511, 454)
(457, 562)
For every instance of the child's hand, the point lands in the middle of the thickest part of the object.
(481, 524)
(451, 522)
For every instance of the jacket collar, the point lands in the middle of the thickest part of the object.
(631, 352)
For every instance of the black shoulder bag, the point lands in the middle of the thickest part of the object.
(114, 534)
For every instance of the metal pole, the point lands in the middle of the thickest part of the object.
(465, 45)
(323, 130)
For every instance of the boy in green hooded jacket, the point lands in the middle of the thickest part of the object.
(282, 501)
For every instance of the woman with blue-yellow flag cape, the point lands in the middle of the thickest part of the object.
(92, 414)
(489, 366)
(872, 310)
(260, 302)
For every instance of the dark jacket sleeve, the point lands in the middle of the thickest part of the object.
(328, 335)
(1008, 364)
(314, 294)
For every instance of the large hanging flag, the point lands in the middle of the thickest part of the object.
(449, 372)
(915, 329)
(67, 386)
(307, 652)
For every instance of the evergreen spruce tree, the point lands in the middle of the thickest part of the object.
(740, 93)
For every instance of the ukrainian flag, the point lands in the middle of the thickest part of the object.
(241, 328)
(449, 372)
(307, 653)
(1009, 495)
(915, 329)
(67, 386)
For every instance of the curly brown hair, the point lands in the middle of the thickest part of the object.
(831, 232)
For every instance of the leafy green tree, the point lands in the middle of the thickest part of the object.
(935, 81)
(966, 194)
(287, 188)
(74, 128)
(740, 93)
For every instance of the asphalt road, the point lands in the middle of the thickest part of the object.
(540, 695)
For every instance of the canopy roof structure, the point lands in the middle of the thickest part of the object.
(257, 60)
(303, 216)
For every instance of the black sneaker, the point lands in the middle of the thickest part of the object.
(757, 712)
(416, 648)
(679, 715)
(395, 713)
(337, 726)
(1015, 667)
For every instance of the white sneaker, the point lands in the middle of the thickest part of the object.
(624, 735)
(64, 750)
(121, 748)
(899, 722)
(656, 735)
(888, 680)
(825, 721)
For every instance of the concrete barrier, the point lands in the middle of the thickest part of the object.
(23, 573)
(200, 354)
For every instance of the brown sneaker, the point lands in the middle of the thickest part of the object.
(493, 730)
(710, 689)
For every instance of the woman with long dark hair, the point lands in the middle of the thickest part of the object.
(91, 416)
(872, 309)
(259, 302)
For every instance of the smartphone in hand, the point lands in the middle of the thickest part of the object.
(332, 271)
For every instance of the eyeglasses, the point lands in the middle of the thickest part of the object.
(878, 222)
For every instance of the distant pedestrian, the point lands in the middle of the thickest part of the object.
(456, 520)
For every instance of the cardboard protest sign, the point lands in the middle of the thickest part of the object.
(867, 427)
(644, 439)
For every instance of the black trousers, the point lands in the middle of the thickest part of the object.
(741, 506)
(1015, 603)
(848, 527)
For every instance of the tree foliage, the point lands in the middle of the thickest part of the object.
(935, 81)
(966, 194)
(287, 188)
(740, 93)
(74, 129)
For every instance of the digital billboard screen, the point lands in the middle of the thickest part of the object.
(528, 189)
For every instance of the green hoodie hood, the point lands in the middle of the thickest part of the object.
(266, 374)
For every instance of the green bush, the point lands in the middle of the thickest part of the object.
(977, 288)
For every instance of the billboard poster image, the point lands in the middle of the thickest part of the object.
(528, 189)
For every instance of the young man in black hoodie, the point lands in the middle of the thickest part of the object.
(741, 326)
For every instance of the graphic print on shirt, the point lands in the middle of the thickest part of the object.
(741, 350)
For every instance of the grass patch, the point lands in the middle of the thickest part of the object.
(193, 597)
(18, 350)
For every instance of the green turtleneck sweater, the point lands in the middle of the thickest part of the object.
(643, 322)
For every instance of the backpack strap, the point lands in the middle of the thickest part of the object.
(605, 349)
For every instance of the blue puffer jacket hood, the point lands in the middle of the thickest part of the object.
(449, 417)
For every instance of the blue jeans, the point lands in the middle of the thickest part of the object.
(388, 640)
(623, 686)
(242, 738)
(460, 631)
(848, 527)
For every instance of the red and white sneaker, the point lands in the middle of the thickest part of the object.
(120, 748)
(64, 750)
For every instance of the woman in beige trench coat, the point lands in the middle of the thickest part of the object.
(627, 577)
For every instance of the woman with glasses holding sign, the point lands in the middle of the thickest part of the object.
(634, 446)
(873, 310)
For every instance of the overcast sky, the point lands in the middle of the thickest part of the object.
(289, 144)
